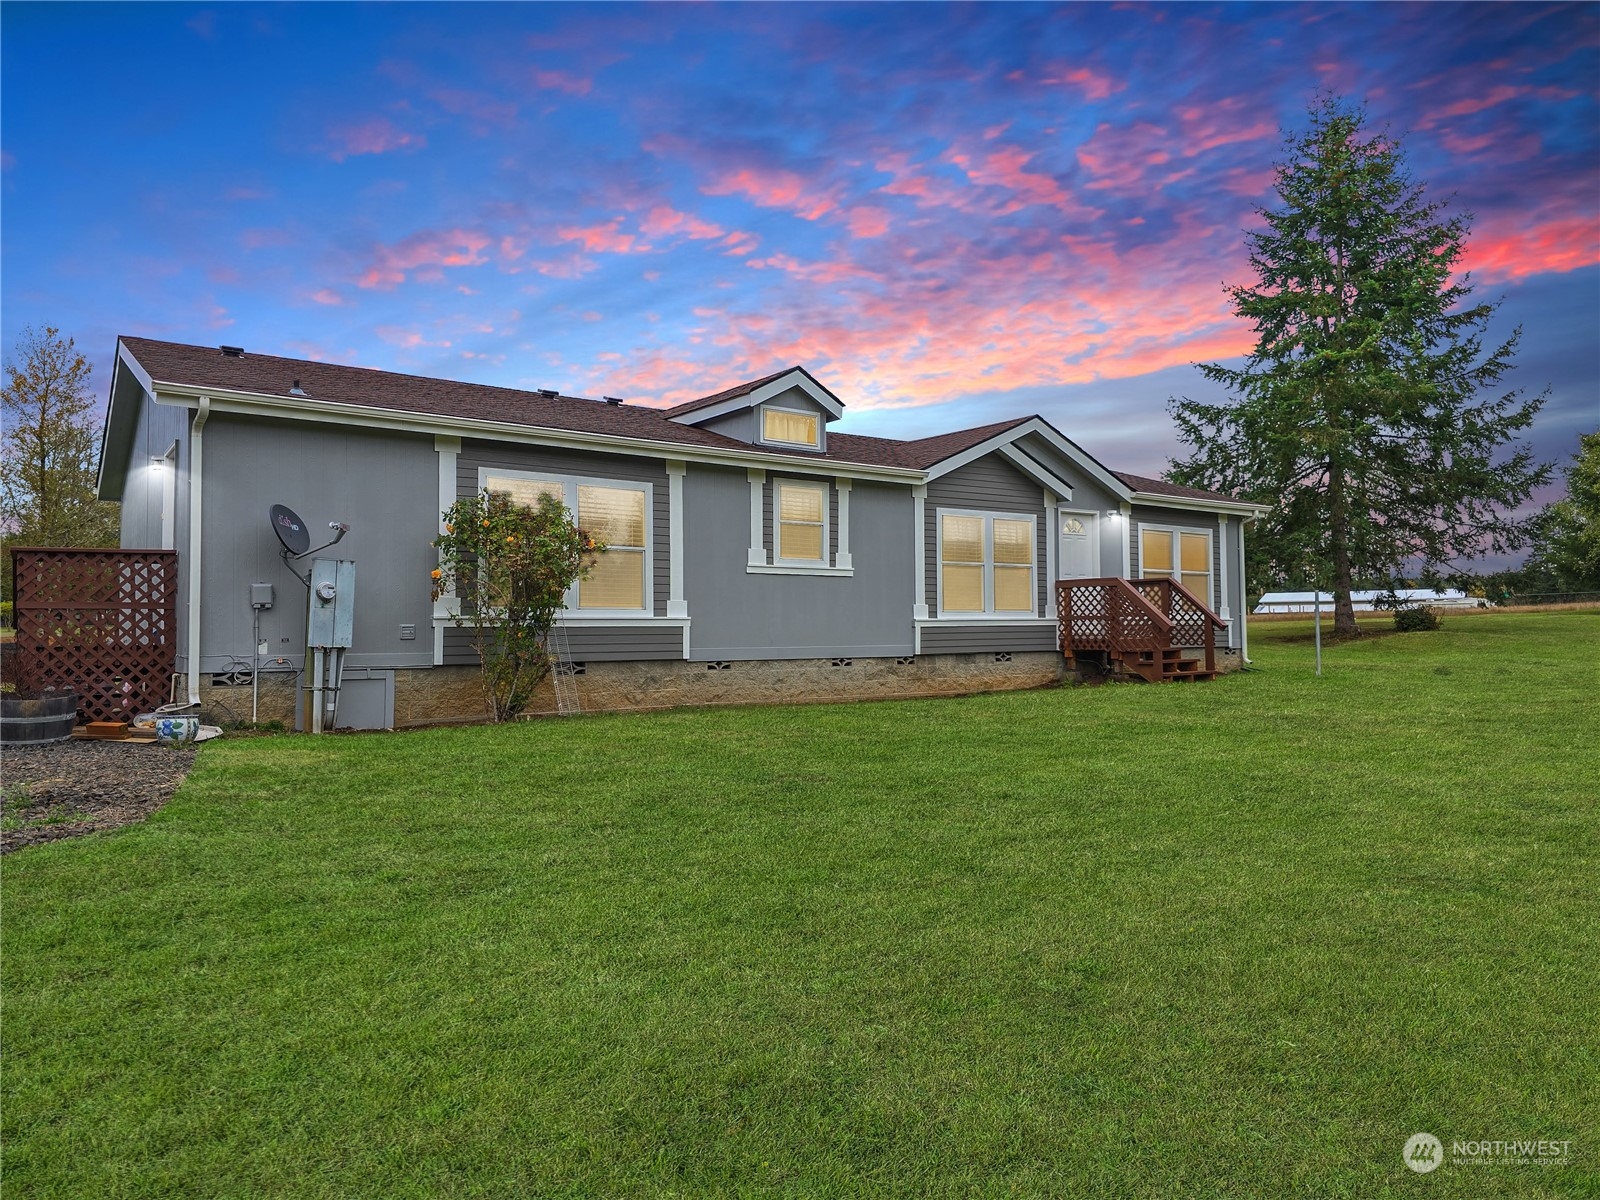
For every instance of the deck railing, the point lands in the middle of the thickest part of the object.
(1108, 614)
(1118, 615)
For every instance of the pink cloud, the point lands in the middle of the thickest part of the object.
(561, 81)
(475, 106)
(866, 222)
(406, 339)
(602, 239)
(265, 239)
(327, 296)
(1006, 167)
(1095, 85)
(425, 255)
(740, 242)
(773, 189)
(664, 220)
(1514, 247)
(377, 136)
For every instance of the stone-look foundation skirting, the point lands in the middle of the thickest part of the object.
(441, 695)
(454, 695)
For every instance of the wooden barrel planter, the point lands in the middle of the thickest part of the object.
(34, 718)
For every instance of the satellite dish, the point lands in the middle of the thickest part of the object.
(291, 530)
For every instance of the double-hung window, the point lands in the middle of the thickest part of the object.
(987, 565)
(801, 520)
(617, 514)
(1177, 554)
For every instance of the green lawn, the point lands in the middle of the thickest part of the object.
(1231, 939)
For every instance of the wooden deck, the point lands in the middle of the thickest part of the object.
(1136, 626)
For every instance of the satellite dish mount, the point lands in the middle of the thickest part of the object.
(295, 538)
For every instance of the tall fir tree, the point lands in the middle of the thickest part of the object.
(1361, 413)
(1566, 544)
(51, 448)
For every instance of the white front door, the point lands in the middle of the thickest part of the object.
(1078, 543)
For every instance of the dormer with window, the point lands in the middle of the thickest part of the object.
(787, 412)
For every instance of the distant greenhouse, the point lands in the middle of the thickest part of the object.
(1304, 602)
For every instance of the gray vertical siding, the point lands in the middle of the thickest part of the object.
(383, 484)
(737, 614)
(990, 484)
(506, 456)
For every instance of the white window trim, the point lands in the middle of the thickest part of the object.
(760, 563)
(777, 522)
(570, 485)
(988, 613)
(1177, 555)
(761, 426)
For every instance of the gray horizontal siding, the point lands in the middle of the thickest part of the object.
(475, 454)
(1175, 518)
(589, 644)
(982, 639)
(989, 484)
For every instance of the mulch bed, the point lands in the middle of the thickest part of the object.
(68, 789)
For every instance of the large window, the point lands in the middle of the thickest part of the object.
(790, 428)
(615, 513)
(1178, 554)
(986, 565)
(802, 521)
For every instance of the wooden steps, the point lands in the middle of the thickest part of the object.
(1137, 628)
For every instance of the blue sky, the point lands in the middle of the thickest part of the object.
(950, 214)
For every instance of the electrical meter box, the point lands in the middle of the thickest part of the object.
(333, 603)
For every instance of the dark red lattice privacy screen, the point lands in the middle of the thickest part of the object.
(101, 622)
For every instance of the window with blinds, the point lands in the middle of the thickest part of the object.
(802, 521)
(615, 514)
(986, 565)
(1179, 555)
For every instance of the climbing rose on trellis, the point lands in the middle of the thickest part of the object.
(508, 567)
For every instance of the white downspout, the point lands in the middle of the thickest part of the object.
(196, 444)
(1244, 593)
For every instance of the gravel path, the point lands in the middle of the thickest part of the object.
(68, 789)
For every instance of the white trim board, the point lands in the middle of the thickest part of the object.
(767, 391)
(328, 412)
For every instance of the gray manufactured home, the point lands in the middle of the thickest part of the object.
(754, 553)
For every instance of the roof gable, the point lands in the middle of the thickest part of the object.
(755, 392)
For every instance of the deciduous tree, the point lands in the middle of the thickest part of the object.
(50, 452)
(1368, 414)
(506, 568)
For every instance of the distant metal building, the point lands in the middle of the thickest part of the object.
(1304, 602)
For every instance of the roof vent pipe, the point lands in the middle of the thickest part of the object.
(297, 390)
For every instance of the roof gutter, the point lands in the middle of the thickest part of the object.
(197, 446)
(263, 404)
(1161, 500)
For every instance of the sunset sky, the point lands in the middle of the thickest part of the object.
(949, 214)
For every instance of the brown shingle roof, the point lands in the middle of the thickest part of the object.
(266, 374)
(743, 389)
(1160, 487)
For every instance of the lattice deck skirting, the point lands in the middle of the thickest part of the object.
(101, 622)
